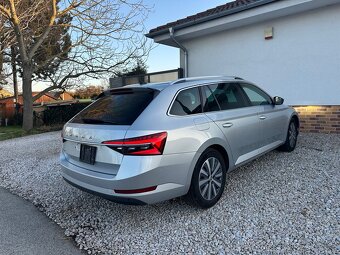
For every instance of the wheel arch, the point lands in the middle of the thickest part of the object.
(218, 144)
(296, 119)
(223, 153)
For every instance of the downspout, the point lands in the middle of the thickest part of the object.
(172, 36)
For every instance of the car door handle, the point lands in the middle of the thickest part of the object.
(227, 125)
(263, 117)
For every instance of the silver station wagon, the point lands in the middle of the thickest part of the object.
(143, 144)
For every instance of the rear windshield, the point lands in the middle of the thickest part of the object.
(119, 108)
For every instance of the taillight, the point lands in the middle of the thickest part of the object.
(143, 145)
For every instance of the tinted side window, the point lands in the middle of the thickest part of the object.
(187, 102)
(228, 95)
(120, 108)
(255, 95)
(209, 101)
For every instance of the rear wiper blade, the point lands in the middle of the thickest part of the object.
(96, 121)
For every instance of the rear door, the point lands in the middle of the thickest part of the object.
(225, 104)
(106, 119)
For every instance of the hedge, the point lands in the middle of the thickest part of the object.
(62, 113)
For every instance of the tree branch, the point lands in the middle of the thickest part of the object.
(5, 11)
(68, 9)
(45, 33)
(16, 25)
(41, 93)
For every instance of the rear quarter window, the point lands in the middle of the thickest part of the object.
(119, 108)
(187, 102)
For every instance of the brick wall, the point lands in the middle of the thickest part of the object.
(319, 119)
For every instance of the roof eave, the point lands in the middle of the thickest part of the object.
(210, 17)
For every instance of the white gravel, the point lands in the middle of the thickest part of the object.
(283, 203)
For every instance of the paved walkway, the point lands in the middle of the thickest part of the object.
(25, 230)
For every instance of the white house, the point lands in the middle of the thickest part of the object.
(291, 48)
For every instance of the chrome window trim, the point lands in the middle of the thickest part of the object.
(174, 98)
(196, 86)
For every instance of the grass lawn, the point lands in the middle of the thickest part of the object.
(16, 131)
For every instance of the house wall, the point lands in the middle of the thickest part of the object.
(319, 119)
(301, 63)
(7, 108)
(44, 99)
(47, 99)
(66, 96)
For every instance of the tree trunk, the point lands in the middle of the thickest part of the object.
(1, 55)
(27, 96)
(15, 77)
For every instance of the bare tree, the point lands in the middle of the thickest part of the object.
(105, 34)
(6, 40)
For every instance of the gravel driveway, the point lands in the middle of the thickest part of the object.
(283, 203)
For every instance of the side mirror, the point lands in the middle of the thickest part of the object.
(278, 100)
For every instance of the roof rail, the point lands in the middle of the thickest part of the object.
(202, 78)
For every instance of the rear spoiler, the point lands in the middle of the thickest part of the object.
(123, 90)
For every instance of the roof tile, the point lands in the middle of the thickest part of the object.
(209, 12)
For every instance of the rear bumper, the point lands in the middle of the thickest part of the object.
(120, 200)
(168, 172)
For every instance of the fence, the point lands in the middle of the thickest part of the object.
(163, 76)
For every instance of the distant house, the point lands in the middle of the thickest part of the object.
(4, 93)
(288, 47)
(7, 104)
(51, 97)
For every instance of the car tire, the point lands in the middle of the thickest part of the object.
(208, 180)
(291, 139)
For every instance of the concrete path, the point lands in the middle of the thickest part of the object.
(25, 230)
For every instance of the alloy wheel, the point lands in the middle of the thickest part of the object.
(210, 178)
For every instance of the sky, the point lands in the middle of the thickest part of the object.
(162, 57)
(164, 11)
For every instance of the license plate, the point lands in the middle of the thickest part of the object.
(87, 154)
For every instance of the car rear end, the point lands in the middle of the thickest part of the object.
(105, 154)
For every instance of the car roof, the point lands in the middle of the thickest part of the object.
(158, 86)
(185, 82)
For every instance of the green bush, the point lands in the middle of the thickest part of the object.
(62, 113)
